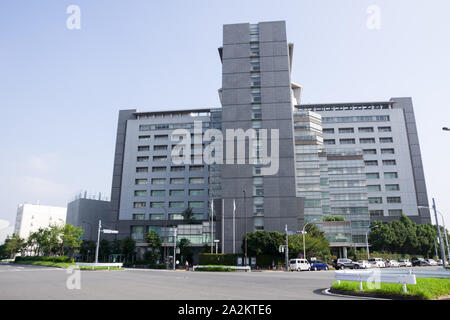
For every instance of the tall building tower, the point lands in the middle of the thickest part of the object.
(256, 94)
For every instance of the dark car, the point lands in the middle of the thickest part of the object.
(318, 265)
(345, 264)
(419, 262)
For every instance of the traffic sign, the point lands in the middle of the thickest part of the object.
(110, 231)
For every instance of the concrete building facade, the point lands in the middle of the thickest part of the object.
(31, 217)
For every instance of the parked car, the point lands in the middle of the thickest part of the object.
(405, 263)
(377, 262)
(364, 264)
(418, 262)
(432, 262)
(394, 264)
(299, 265)
(318, 265)
(387, 263)
(344, 263)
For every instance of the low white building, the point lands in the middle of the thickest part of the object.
(31, 217)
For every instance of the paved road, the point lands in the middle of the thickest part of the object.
(31, 282)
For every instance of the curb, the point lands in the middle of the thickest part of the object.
(327, 292)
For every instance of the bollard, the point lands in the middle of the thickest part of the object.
(404, 288)
(339, 282)
(360, 286)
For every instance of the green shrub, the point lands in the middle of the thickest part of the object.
(227, 259)
(62, 259)
(215, 268)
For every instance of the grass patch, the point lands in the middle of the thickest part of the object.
(99, 268)
(426, 288)
(63, 265)
(215, 268)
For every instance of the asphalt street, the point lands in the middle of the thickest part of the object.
(32, 282)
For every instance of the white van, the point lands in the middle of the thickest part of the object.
(299, 265)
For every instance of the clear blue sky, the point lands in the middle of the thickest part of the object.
(60, 89)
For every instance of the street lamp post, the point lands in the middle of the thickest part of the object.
(287, 249)
(441, 245)
(245, 230)
(174, 249)
(367, 241)
(98, 240)
(304, 245)
(445, 234)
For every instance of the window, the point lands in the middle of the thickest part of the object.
(384, 129)
(375, 200)
(143, 148)
(142, 159)
(160, 148)
(371, 162)
(177, 169)
(158, 193)
(392, 187)
(176, 216)
(365, 129)
(177, 192)
(257, 124)
(144, 138)
(346, 130)
(347, 141)
(313, 203)
(139, 216)
(158, 180)
(394, 200)
(154, 216)
(156, 204)
(140, 193)
(395, 212)
(177, 180)
(328, 130)
(195, 204)
(196, 180)
(375, 187)
(367, 140)
(196, 168)
(176, 204)
(145, 127)
(161, 137)
(386, 140)
(141, 169)
(369, 151)
(137, 232)
(196, 192)
(256, 170)
(141, 182)
(258, 191)
(390, 175)
(139, 204)
(329, 141)
(387, 151)
(323, 181)
(372, 175)
(159, 158)
(159, 169)
(376, 213)
(389, 162)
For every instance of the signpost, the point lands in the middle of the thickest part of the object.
(98, 238)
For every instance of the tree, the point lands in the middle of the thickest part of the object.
(87, 249)
(316, 244)
(104, 249)
(14, 245)
(128, 246)
(185, 250)
(188, 213)
(263, 243)
(154, 242)
(71, 239)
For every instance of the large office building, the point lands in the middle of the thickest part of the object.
(31, 217)
(358, 161)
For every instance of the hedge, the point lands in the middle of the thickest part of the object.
(222, 259)
(61, 259)
(216, 268)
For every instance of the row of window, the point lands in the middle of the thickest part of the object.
(159, 181)
(164, 126)
(387, 175)
(172, 204)
(160, 216)
(172, 169)
(379, 200)
(390, 162)
(361, 140)
(391, 213)
(162, 193)
(383, 151)
(355, 119)
(388, 187)
(164, 158)
(360, 129)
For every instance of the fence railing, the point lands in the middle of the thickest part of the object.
(375, 276)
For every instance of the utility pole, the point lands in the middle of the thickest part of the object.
(223, 225)
(439, 234)
(234, 226)
(98, 240)
(212, 226)
(175, 249)
(286, 252)
(245, 230)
